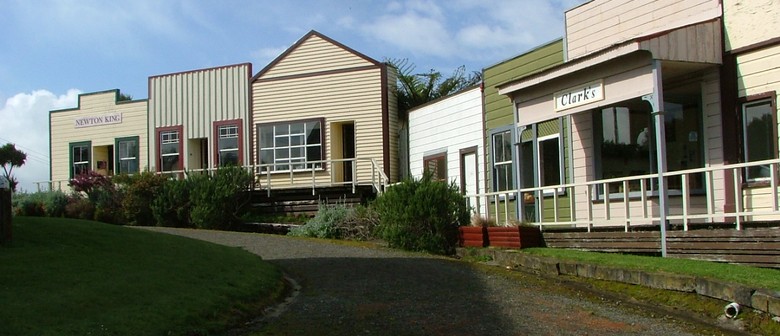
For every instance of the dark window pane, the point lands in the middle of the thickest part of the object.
(313, 136)
(266, 136)
(550, 162)
(313, 153)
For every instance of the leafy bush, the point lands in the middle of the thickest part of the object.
(172, 205)
(327, 223)
(80, 208)
(28, 204)
(220, 201)
(91, 183)
(139, 192)
(55, 203)
(422, 215)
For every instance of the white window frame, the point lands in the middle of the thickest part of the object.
(122, 159)
(539, 140)
(290, 163)
(746, 151)
(169, 141)
(496, 164)
(227, 132)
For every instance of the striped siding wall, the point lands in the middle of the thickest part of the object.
(315, 54)
(393, 123)
(343, 97)
(196, 99)
(428, 134)
(759, 72)
(750, 22)
(63, 131)
(713, 130)
(599, 24)
(498, 108)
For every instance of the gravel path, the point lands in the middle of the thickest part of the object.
(350, 290)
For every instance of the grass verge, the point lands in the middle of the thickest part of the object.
(746, 275)
(64, 276)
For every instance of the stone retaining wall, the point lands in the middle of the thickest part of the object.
(757, 298)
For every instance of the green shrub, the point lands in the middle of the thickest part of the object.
(80, 208)
(327, 223)
(107, 201)
(171, 207)
(29, 204)
(139, 192)
(422, 215)
(219, 201)
(55, 203)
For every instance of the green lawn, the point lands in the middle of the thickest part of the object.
(74, 277)
(751, 276)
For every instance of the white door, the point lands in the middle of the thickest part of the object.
(469, 181)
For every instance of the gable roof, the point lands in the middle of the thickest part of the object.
(301, 41)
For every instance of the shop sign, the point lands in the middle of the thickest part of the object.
(579, 95)
(105, 119)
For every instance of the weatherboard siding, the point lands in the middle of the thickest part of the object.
(196, 99)
(343, 97)
(429, 135)
(597, 25)
(64, 132)
(498, 108)
(315, 54)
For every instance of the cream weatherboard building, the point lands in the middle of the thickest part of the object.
(323, 113)
(101, 134)
(198, 119)
(320, 114)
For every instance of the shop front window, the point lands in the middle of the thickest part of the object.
(80, 158)
(127, 155)
(289, 146)
(624, 142)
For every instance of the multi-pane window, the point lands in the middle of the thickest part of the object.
(228, 145)
(758, 132)
(624, 141)
(290, 146)
(502, 161)
(80, 158)
(127, 155)
(436, 165)
(169, 150)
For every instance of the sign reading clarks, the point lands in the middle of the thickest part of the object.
(579, 95)
(105, 119)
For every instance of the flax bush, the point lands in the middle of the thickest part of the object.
(422, 215)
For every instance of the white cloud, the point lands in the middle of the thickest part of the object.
(25, 123)
(414, 33)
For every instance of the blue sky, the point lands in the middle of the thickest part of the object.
(53, 50)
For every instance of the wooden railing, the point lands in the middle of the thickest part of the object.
(633, 200)
(267, 176)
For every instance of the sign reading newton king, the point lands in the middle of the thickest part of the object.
(105, 119)
(579, 95)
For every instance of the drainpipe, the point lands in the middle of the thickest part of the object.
(656, 100)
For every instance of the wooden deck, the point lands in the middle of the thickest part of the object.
(751, 246)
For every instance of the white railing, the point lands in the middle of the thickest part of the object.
(267, 177)
(634, 199)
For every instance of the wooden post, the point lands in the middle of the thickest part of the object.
(5, 212)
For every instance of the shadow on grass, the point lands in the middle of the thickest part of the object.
(387, 296)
